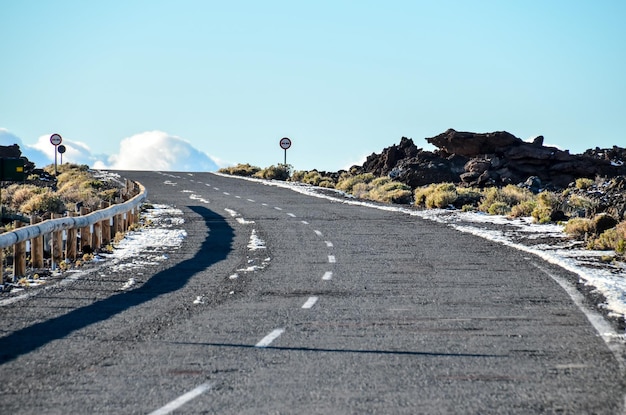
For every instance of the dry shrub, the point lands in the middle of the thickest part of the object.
(327, 183)
(584, 183)
(109, 195)
(347, 182)
(17, 196)
(46, 201)
(388, 191)
(523, 209)
(436, 195)
(607, 240)
(360, 190)
(279, 172)
(510, 195)
(245, 170)
(499, 208)
(579, 228)
(312, 177)
(547, 203)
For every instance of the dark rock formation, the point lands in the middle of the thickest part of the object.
(473, 144)
(497, 158)
(413, 166)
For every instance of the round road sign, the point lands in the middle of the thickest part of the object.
(55, 139)
(61, 149)
(285, 143)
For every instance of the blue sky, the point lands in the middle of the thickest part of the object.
(177, 82)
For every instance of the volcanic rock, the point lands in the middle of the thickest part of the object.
(472, 144)
(485, 159)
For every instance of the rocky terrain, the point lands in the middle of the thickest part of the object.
(500, 158)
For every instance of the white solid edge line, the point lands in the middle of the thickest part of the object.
(596, 319)
(183, 399)
(267, 340)
(310, 302)
(328, 275)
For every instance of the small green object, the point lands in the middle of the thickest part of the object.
(12, 169)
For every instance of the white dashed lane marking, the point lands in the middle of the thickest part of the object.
(328, 275)
(310, 302)
(183, 399)
(278, 208)
(332, 259)
(318, 233)
(267, 340)
(291, 214)
(305, 222)
(329, 244)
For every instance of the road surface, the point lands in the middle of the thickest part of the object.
(282, 303)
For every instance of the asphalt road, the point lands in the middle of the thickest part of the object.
(346, 310)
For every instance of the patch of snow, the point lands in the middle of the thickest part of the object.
(199, 198)
(238, 217)
(255, 242)
(128, 284)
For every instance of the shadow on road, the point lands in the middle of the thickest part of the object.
(354, 351)
(213, 249)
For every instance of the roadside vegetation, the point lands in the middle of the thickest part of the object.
(584, 218)
(41, 194)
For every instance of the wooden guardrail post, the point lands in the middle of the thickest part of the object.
(137, 211)
(96, 239)
(57, 244)
(19, 256)
(106, 226)
(72, 241)
(36, 246)
(131, 218)
(85, 232)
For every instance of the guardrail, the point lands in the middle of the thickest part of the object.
(92, 230)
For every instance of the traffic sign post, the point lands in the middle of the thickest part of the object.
(55, 140)
(285, 143)
(61, 149)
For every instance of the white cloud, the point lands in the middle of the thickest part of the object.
(151, 150)
(33, 154)
(7, 139)
(157, 150)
